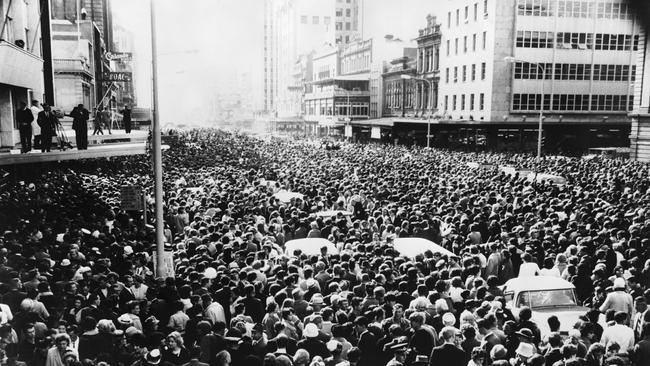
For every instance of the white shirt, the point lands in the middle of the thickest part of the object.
(36, 129)
(618, 333)
(215, 313)
(528, 269)
(140, 293)
(637, 323)
(553, 272)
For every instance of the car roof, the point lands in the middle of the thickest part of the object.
(537, 283)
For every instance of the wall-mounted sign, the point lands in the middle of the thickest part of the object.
(117, 76)
(118, 56)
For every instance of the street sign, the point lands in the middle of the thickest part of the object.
(167, 264)
(375, 133)
(118, 56)
(131, 197)
(117, 76)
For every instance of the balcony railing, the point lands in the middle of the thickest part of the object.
(71, 65)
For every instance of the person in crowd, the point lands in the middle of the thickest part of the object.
(36, 129)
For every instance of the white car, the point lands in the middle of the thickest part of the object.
(545, 296)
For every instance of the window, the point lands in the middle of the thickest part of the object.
(327, 20)
(534, 39)
(447, 75)
(456, 46)
(453, 103)
(538, 8)
(457, 17)
(525, 70)
(475, 11)
(446, 102)
(465, 44)
(466, 13)
(347, 25)
(464, 73)
(339, 26)
(474, 42)
(303, 19)
(449, 19)
(315, 20)
(483, 70)
(481, 101)
(484, 39)
(448, 47)
(339, 12)
(471, 102)
(485, 9)
(455, 74)
(462, 102)
(347, 39)
(473, 72)
(616, 42)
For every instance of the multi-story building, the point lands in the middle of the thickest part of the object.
(78, 53)
(297, 27)
(400, 86)
(427, 72)
(640, 116)
(498, 56)
(123, 44)
(21, 64)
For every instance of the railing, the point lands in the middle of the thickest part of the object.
(70, 65)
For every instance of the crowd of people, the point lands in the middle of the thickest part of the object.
(78, 286)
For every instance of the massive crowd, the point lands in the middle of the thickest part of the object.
(78, 286)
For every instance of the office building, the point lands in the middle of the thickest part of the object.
(498, 55)
(297, 27)
(21, 64)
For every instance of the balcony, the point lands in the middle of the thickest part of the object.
(331, 93)
(71, 65)
(19, 67)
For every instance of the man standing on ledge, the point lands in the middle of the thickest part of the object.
(36, 129)
(47, 121)
(24, 117)
(80, 117)
(126, 118)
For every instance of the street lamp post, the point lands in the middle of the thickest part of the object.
(409, 77)
(157, 154)
(511, 59)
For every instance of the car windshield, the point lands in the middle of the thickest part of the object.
(546, 298)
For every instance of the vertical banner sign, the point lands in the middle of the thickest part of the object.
(167, 265)
(348, 131)
(375, 133)
(131, 198)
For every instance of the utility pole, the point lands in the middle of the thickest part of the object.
(157, 155)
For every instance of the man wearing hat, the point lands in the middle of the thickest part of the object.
(399, 348)
(312, 344)
(619, 299)
(47, 121)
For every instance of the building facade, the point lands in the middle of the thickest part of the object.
(498, 56)
(298, 27)
(427, 68)
(79, 47)
(640, 116)
(21, 64)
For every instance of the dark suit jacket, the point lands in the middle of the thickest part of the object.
(47, 123)
(448, 355)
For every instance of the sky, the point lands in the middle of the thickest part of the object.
(204, 44)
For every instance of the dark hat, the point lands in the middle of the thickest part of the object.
(526, 333)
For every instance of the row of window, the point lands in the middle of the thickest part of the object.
(466, 41)
(573, 40)
(315, 20)
(469, 98)
(572, 102)
(339, 26)
(466, 14)
(601, 72)
(464, 73)
(339, 12)
(575, 9)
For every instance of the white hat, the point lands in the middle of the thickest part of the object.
(210, 273)
(311, 330)
(619, 283)
(333, 345)
(125, 319)
(65, 262)
(128, 250)
(525, 349)
(448, 319)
